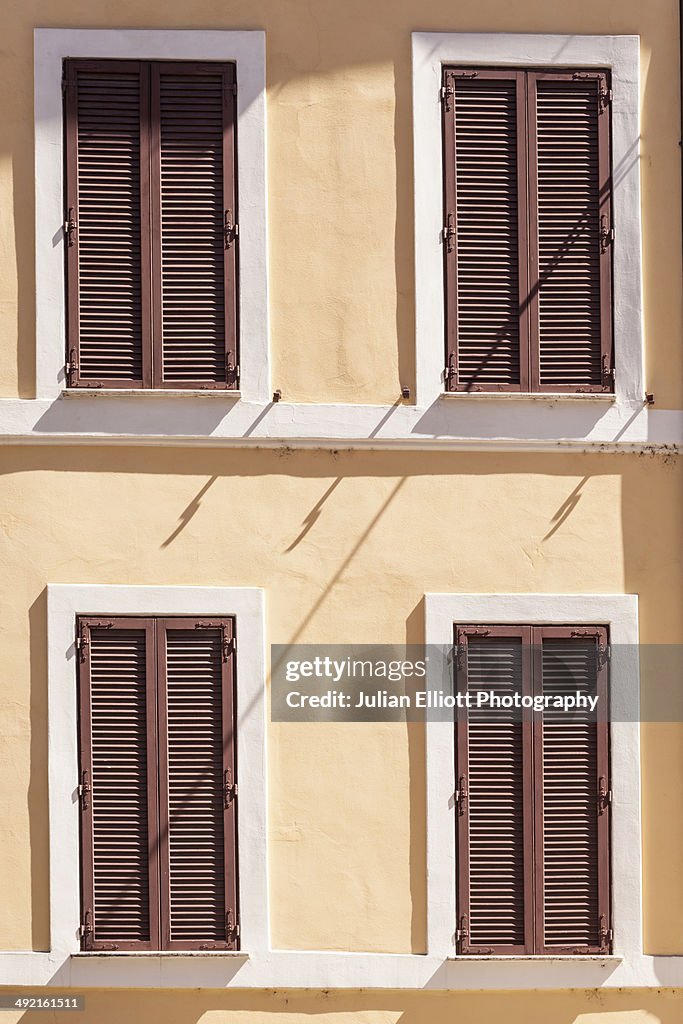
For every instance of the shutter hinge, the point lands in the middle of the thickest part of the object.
(70, 226)
(85, 930)
(449, 370)
(71, 371)
(462, 643)
(234, 88)
(84, 790)
(230, 229)
(232, 369)
(604, 95)
(447, 91)
(229, 788)
(606, 233)
(463, 932)
(604, 795)
(606, 934)
(604, 650)
(232, 926)
(449, 232)
(82, 640)
(608, 372)
(229, 645)
(461, 795)
(72, 368)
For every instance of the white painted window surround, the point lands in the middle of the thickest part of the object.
(620, 613)
(431, 50)
(247, 50)
(65, 602)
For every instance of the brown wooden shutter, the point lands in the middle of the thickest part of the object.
(194, 218)
(107, 224)
(151, 224)
(485, 230)
(572, 795)
(527, 230)
(533, 794)
(570, 231)
(494, 795)
(117, 784)
(197, 777)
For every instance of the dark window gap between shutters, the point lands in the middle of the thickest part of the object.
(594, 922)
(577, 340)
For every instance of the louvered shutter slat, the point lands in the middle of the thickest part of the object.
(119, 815)
(570, 326)
(486, 300)
(193, 112)
(492, 817)
(195, 862)
(106, 255)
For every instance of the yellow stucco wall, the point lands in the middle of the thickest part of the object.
(345, 545)
(340, 174)
(660, 1006)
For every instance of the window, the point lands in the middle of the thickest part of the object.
(157, 783)
(527, 230)
(151, 224)
(533, 792)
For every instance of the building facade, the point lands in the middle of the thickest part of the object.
(340, 326)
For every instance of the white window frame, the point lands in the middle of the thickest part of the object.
(247, 50)
(431, 50)
(64, 604)
(618, 612)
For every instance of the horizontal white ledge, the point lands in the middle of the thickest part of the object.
(237, 954)
(526, 396)
(145, 393)
(465, 424)
(299, 969)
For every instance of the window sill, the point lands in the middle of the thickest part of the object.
(593, 958)
(150, 393)
(528, 396)
(164, 954)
